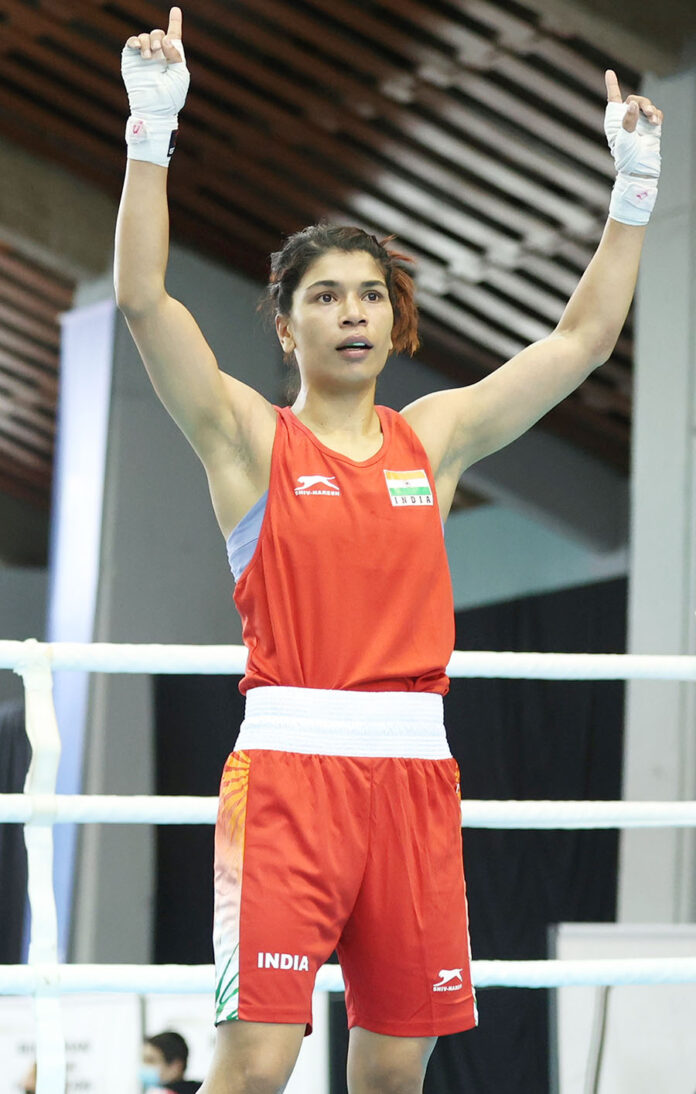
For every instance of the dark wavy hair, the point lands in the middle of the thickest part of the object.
(171, 1045)
(289, 265)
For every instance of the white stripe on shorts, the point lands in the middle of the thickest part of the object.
(345, 723)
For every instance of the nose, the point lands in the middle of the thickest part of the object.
(353, 311)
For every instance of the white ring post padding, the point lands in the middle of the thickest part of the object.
(48, 809)
(42, 731)
(199, 979)
(220, 660)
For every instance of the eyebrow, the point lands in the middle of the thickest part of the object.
(338, 284)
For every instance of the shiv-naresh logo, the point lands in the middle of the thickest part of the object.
(317, 484)
(450, 980)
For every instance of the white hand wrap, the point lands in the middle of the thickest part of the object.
(156, 93)
(637, 159)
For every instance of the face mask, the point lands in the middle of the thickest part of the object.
(149, 1076)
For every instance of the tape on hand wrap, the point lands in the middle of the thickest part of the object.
(638, 161)
(157, 91)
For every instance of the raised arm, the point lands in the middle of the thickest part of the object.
(461, 426)
(217, 413)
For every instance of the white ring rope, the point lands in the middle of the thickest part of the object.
(200, 979)
(49, 809)
(219, 660)
(39, 808)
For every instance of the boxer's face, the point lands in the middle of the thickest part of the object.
(342, 297)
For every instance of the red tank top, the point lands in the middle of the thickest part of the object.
(348, 586)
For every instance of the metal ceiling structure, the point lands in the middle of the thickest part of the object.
(472, 129)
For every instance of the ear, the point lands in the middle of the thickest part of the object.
(285, 336)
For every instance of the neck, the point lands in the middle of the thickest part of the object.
(351, 414)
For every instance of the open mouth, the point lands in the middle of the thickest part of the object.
(355, 348)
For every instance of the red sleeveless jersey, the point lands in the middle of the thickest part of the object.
(348, 586)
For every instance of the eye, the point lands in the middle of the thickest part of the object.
(373, 292)
(323, 294)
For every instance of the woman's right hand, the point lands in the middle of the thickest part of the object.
(154, 71)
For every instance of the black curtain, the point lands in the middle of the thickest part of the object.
(15, 755)
(532, 739)
(197, 719)
(513, 739)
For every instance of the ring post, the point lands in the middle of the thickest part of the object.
(42, 731)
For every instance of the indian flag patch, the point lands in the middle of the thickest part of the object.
(409, 487)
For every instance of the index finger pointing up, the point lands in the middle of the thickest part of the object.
(613, 93)
(174, 28)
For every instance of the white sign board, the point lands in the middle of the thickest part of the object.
(103, 1043)
(104, 1035)
(650, 1032)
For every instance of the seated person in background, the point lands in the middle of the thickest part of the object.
(164, 1062)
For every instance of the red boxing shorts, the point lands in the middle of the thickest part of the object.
(339, 828)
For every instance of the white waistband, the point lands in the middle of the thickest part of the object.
(345, 723)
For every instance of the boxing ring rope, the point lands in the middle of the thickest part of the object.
(39, 808)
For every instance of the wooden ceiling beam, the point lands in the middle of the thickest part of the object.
(30, 438)
(27, 394)
(467, 120)
(475, 51)
(44, 380)
(532, 38)
(44, 422)
(331, 119)
(48, 333)
(284, 169)
(361, 99)
(26, 301)
(39, 286)
(492, 241)
(356, 97)
(17, 343)
(478, 53)
(23, 457)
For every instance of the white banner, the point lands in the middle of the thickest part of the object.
(103, 1043)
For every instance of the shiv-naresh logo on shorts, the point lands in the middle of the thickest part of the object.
(450, 980)
(317, 484)
(409, 487)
